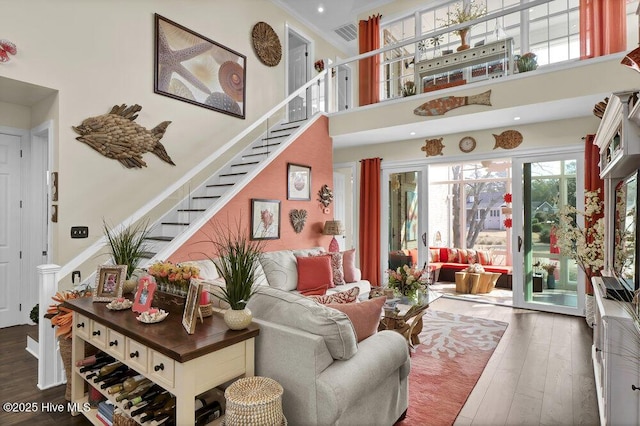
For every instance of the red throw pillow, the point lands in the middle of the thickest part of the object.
(484, 257)
(351, 273)
(314, 274)
(364, 316)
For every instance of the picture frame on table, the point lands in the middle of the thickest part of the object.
(191, 306)
(298, 182)
(109, 282)
(144, 294)
(193, 68)
(265, 219)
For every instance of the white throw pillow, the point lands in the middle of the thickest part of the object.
(280, 268)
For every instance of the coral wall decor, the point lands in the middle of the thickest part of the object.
(116, 136)
(6, 48)
(445, 104)
(192, 68)
(298, 218)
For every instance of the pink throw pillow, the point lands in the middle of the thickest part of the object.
(346, 296)
(364, 316)
(484, 257)
(472, 256)
(314, 274)
(351, 273)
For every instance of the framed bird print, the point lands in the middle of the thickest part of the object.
(192, 68)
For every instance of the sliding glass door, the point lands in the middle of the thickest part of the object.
(543, 279)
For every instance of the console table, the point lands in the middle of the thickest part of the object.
(492, 60)
(185, 365)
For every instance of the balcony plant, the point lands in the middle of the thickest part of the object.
(408, 89)
(526, 62)
(128, 247)
(461, 13)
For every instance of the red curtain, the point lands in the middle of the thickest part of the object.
(592, 182)
(370, 220)
(369, 69)
(603, 27)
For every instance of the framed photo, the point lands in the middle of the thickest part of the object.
(191, 306)
(192, 68)
(265, 219)
(109, 282)
(144, 294)
(298, 182)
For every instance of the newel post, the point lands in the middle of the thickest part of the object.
(50, 370)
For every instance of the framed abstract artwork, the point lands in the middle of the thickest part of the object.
(298, 182)
(265, 219)
(192, 68)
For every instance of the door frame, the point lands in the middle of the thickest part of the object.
(290, 29)
(518, 230)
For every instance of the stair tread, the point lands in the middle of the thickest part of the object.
(192, 210)
(160, 238)
(276, 137)
(233, 174)
(176, 223)
(205, 197)
(250, 163)
(266, 145)
(282, 129)
(257, 154)
(213, 185)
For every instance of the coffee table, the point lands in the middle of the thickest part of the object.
(407, 319)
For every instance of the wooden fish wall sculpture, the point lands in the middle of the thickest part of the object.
(508, 139)
(116, 136)
(443, 105)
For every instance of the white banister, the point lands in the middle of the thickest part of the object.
(50, 370)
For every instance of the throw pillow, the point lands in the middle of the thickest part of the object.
(346, 296)
(434, 254)
(336, 268)
(453, 256)
(484, 257)
(365, 316)
(314, 274)
(472, 256)
(280, 269)
(351, 273)
(464, 256)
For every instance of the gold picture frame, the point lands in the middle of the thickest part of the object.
(191, 306)
(109, 282)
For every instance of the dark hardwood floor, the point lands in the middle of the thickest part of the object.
(18, 384)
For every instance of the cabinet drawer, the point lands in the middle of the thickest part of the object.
(98, 337)
(81, 325)
(136, 356)
(161, 368)
(115, 344)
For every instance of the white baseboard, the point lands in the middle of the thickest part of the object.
(32, 346)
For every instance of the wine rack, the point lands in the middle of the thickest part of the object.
(184, 365)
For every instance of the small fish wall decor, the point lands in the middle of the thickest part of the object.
(508, 139)
(116, 136)
(432, 147)
(443, 105)
(298, 219)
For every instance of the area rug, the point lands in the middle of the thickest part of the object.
(446, 365)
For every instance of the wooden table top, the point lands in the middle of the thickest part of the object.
(168, 336)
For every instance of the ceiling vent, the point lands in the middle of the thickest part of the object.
(347, 32)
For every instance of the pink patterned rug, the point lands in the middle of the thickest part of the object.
(447, 365)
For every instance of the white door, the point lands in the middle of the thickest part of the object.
(298, 74)
(343, 81)
(10, 218)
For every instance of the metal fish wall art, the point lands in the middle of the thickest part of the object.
(443, 105)
(116, 136)
(508, 139)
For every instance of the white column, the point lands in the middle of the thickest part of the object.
(50, 370)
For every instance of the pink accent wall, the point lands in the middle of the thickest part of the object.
(313, 148)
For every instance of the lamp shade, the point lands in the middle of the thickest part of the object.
(332, 227)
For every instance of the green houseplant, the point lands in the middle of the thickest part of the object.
(462, 13)
(237, 261)
(128, 246)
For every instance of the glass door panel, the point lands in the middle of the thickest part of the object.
(404, 211)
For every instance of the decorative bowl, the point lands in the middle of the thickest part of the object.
(119, 305)
(152, 316)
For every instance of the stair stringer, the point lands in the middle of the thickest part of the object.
(199, 222)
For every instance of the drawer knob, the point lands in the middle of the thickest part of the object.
(159, 367)
(80, 325)
(96, 333)
(114, 343)
(134, 354)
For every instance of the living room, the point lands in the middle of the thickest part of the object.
(73, 86)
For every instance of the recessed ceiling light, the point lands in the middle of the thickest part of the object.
(412, 133)
(516, 118)
(321, 8)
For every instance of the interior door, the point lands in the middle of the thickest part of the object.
(543, 279)
(343, 82)
(9, 230)
(298, 74)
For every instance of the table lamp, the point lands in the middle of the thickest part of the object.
(333, 227)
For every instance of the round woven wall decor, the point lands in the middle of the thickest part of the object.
(266, 44)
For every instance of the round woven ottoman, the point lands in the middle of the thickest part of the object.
(254, 401)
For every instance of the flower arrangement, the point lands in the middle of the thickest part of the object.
(549, 267)
(406, 280)
(62, 317)
(584, 244)
(476, 268)
(465, 13)
(173, 278)
(526, 62)
(319, 65)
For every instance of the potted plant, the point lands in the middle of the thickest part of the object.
(409, 88)
(128, 247)
(462, 13)
(551, 279)
(237, 261)
(526, 62)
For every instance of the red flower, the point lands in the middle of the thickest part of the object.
(508, 223)
(507, 197)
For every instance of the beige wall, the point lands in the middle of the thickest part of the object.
(16, 116)
(100, 53)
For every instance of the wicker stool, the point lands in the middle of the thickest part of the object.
(254, 401)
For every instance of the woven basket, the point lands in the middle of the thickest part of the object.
(254, 401)
(65, 354)
(206, 310)
(121, 419)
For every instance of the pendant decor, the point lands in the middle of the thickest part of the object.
(115, 135)
(266, 44)
(508, 139)
(325, 196)
(433, 147)
(298, 218)
(445, 104)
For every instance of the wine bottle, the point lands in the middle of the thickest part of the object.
(109, 371)
(149, 395)
(90, 360)
(132, 382)
(117, 378)
(142, 387)
(97, 365)
(155, 404)
(208, 413)
(168, 408)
